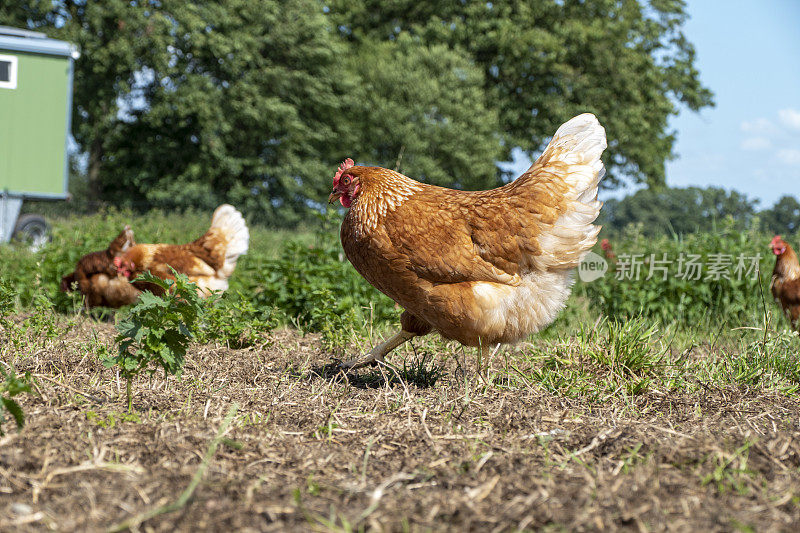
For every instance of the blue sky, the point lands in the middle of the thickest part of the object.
(748, 54)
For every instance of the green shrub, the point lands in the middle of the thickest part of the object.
(231, 318)
(158, 329)
(304, 278)
(7, 301)
(27, 272)
(316, 287)
(738, 298)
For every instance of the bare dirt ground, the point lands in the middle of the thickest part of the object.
(313, 452)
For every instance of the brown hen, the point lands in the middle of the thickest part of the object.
(481, 267)
(96, 278)
(786, 279)
(208, 261)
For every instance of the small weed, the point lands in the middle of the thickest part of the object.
(776, 357)
(627, 347)
(253, 419)
(312, 486)
(158, 329)
(12, 386)
(42, 323)
(420, 372)
(111, 419)
(8, 298)
(326, 430)
(632, 458)
(741, 526)
(39, 326)
(234, 320)
(729, 471)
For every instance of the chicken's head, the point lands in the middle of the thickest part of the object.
(778, 245)
(124, 266)
(345, 186)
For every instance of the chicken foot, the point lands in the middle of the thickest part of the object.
(378, 353)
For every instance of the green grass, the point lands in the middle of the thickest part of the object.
(615, 338)
(735, 268)
(612, 358)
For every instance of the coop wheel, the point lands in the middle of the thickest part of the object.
(33, 231)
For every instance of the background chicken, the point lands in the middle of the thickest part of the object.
(209, 261)
(480, 267)
(786, 279)
(95, 277)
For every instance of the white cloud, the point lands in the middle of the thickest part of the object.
(755, 143)
(759, 125)
(790, 156)
(790, 118)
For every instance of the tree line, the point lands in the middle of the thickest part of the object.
(687, 210)
(255, 102)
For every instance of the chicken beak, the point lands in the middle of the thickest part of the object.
(335, 195)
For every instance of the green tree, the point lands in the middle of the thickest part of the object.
(246, 111)
(678, 210)
(422, 109)
(627, 61)
(784, 217)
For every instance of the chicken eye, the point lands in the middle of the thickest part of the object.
(346, 181)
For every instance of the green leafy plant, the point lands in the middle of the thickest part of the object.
(43, 322)
(13, 385)
(316, 287)
(158, 329)
(11, 333)
(233, 319)
(7, 301)
(678, 294)
(303, 278)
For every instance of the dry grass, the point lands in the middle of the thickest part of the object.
(311, 451)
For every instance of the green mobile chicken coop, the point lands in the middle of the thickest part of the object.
(35, 112)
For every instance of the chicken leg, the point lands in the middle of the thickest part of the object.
(486, 353)
(378, 353)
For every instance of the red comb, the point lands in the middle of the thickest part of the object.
(347, 163)
(775, 240)
(117, 262)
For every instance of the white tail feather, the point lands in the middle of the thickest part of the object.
(231, 223)
(579, 143)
